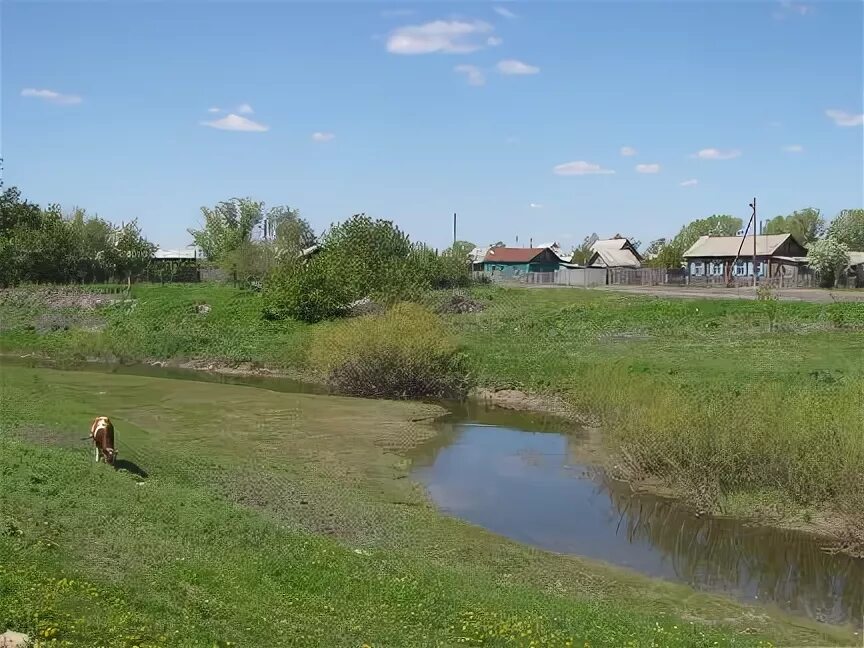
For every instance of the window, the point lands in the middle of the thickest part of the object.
(698, 268)
(717, 268)
(740, 268)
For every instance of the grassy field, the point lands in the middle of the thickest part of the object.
(294, 527)
(747, 407)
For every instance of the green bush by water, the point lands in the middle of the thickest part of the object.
(404, 353)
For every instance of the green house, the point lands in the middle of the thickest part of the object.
(514, 262)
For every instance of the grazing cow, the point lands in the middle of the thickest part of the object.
(102, 433)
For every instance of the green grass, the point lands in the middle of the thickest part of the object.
(292, 527)
(719, 399)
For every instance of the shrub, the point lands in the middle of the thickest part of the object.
(404, 353)
(360, 259)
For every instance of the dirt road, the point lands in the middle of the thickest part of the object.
(817, 295)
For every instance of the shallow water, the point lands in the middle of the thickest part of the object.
(517, 475)
(531, 487)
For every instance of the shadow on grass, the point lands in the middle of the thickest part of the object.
(130, 467)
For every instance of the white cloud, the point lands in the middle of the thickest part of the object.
(843, 118)
(535, 206)
(214, 109)
(793, 148)
(234, 122)
(51, 96)
(322, 137)
(245, 109)
(690, 183)
(506, 13)
(790, 8)
(473, 74)
(440, 36)
(717, 154)
(628, 151)
(580, 167)
(648, 168)
(512, 66)
(494, 41)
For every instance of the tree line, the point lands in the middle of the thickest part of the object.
(43, 245)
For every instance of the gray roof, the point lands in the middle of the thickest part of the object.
(613, 253)
(856, 258)
(728, 246)
(612, 258)
(185, 253)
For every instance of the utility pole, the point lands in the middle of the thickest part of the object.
(755, 272)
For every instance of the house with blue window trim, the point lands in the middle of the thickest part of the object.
(726, 256)
(514, 262)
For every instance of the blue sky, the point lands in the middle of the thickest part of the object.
(543, 120)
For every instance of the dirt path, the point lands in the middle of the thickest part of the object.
(816, 295)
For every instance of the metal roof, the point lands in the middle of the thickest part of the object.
(728, 246)
(856, 258)
(185, 253)
(614, 258)
(512, 255)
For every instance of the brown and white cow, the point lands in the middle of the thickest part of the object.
(102, 433)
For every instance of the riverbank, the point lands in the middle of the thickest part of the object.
(213, 505)
(743, 408)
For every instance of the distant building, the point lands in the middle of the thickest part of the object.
(476, 257)
(715, 256)
(617, 252)
(176, 264)
(556, 248)
(514, 262)
(855, 269)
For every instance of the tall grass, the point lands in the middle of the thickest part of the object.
(403, 353)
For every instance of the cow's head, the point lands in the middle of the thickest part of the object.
(110, 455)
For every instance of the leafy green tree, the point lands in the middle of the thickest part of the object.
(806, 225)
(227, 226)
(828, 257)
(848, 228)
(93, 236)
(460, 249)
(671, 255)
(292, 234)
(130, 253)
(582, 253)
(359, 258)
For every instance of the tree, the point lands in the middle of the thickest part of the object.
(227, 226)
(130, 253)
(654, 247)
(848, 228)
(582, 253)
(292, 233)
(92, 236)
(806, 225)
(671, 255)
(828, 257)
(460, 250)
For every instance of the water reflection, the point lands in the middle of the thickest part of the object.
(525, 485)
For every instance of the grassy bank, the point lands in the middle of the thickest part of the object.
(293, 527)
(747, 407)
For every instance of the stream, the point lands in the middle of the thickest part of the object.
(519, 476)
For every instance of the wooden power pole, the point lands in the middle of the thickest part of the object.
(755, 272)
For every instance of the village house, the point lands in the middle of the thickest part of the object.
(515, 262)
(617, 252)
(732, 256)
